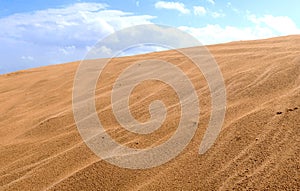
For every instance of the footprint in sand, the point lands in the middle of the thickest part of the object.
(287, 110)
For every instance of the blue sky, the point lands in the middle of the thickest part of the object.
(36, 33)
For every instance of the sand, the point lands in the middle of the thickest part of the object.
(257, 149)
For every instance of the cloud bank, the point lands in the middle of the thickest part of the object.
(58, 35)
(261, 27)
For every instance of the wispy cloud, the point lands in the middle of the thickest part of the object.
(172, 6)
(27, 58)
(199, 10)
(230, 6)
(211, 2)
(217, 14)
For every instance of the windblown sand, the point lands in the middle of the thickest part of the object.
(257, 149)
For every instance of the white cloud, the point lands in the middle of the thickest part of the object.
(67, 50)
(27, 58)
(81, 23)
(281, 24)
(59, 35)
(211, 2)
(263, 27)
(142, 49)
(212, 34)
(217, 14)
(172, 6)
(102, 50)
(199, 10)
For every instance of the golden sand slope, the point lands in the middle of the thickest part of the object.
(257, 149)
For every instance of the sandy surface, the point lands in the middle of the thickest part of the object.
(258, 148)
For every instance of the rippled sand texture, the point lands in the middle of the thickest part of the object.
(258, 147)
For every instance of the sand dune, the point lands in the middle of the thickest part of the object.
(258, 148)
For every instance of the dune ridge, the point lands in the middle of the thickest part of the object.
(258, 148)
